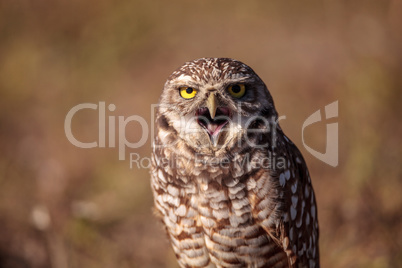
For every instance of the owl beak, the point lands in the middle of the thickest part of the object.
(212, 105)
(213, 119)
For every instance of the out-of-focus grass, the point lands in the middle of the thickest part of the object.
(57, 54)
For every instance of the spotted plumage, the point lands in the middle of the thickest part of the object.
(231, 189)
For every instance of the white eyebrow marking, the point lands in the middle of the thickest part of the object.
(184, 79)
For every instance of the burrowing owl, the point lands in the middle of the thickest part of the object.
(230, 187)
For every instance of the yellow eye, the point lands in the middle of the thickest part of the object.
(237, 90)
(188, 92)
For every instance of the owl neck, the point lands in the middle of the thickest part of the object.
(186, 164)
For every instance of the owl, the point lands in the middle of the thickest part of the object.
(230, 187)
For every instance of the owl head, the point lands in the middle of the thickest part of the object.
(211, 103)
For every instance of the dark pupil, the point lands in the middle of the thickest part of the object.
(189, 90)
(236, 89)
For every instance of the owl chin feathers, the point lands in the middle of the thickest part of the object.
(212, 137)
(209, 136)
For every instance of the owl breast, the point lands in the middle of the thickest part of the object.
(219, 217)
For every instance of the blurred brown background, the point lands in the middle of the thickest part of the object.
(63, 206)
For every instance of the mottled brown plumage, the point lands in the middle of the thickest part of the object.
(230, 187)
